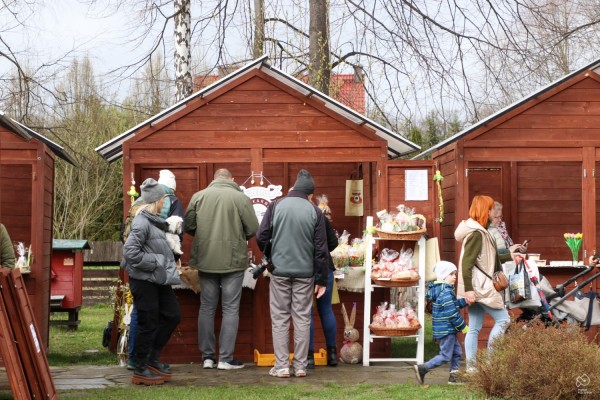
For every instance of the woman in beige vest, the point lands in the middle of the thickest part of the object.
(479, 257)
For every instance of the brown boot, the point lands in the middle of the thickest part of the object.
(161, 369)
(143, 376)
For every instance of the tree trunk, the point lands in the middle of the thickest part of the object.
(320, 67)
(183, 57)
(259, 28)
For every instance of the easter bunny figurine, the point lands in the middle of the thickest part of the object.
(351, 352)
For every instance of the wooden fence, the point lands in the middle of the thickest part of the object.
(101, 272)
(99, 284)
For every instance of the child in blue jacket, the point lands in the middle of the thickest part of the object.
(447, 321)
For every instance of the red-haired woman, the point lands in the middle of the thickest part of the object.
(479, 249)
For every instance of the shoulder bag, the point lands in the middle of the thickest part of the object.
(498, 279)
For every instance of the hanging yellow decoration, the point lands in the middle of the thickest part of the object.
(438, 178)
(132, 193)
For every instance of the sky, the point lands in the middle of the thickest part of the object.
(62, 26)
(68, 29)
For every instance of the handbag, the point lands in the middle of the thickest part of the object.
(519, 284)
(498, 279)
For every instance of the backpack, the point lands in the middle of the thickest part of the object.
(106, 334)
(126, 227)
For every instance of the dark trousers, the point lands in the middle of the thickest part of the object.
(158, 316)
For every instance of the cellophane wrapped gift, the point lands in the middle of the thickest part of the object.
(387, 316)
(340, 254)
(23, 257)
(356, 253)
(404, 220)
(395, 265)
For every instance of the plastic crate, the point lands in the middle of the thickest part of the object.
(268, 359)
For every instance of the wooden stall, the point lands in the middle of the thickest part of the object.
(259, 120)
(538, 157)
(26, 205)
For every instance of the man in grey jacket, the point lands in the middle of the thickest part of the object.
(296, 229)
(222, 219)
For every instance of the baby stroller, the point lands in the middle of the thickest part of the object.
(581, 310)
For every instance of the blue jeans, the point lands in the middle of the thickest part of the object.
(229, 288)
(449, 351)
(476, 314)
(133, 328)
(327, 318)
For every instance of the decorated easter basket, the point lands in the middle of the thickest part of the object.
(383, 331)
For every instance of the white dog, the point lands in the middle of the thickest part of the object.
(175, 228)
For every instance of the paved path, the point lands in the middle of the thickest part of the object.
(90, 377)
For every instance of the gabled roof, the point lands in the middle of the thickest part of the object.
(27, 133)
(507, 109)
(397, 145)
(70, 244)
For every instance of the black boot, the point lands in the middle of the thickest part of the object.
(311, 360)
(332, 360)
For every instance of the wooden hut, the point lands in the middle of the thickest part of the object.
(538, 157)
(259, 120)
(27, 202)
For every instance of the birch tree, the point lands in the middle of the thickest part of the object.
(183, 55)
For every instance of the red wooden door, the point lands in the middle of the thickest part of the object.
(491, 179)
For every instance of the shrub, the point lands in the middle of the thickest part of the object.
(537, 362)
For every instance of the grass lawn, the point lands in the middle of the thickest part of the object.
(285, 391)
(84, 347)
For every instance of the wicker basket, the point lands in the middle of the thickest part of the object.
(394, 331)
(414, 235)
(395, 282)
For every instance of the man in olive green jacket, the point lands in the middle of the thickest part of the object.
(7, 252)
(221, 218)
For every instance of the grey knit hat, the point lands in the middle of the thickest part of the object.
(151, 191)
(304, 182)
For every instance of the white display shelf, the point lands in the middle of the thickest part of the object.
(368, 337)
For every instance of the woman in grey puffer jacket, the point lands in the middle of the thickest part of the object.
(151, 267)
